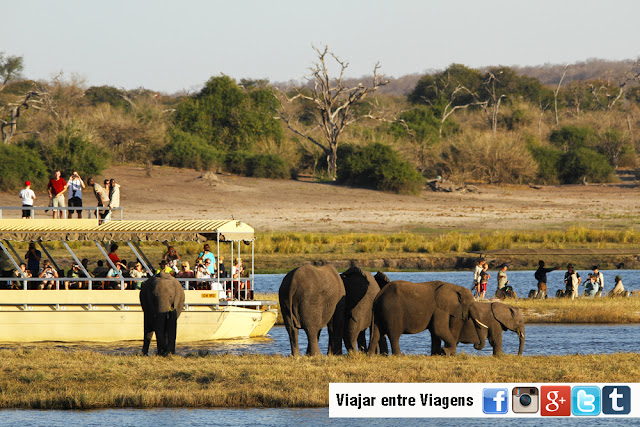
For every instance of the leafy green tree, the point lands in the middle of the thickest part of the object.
(20, 163)
(583, 163)
(230, 116)
(11, 68)
(73, 150)
(572, 137)
(107, 95)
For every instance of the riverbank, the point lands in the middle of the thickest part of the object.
(50, 379)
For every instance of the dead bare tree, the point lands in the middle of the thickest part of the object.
(333, 101)
(605, 96)
(492, 105)
(33, 99)
(555, 94)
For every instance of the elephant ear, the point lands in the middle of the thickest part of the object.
(382, 279)
(505, 315)
(452, 300)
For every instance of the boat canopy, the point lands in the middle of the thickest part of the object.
(137, 230)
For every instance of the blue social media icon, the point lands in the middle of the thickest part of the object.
(585, 401)
(616, 400)
(494, 401)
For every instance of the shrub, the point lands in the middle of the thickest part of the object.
(186, 150)
(584, 162)
(19, 164)
(235, 162)
(548, 159)
(377, 166)
(572, 137)
(267, 166)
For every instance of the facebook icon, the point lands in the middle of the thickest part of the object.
(494, 401)
(616, 400)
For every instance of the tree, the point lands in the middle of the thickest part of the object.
(333, 101)
(10, 69)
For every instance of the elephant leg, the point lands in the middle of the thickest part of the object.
(159, 325)
(293, 339)
(362, 341)
(395, 344)
(171, 327)
(496, 342)
(148, 333)
(441, 329)
(384, 348)
(436, 347)
(374, 339)
(338, 326)
(312, 342)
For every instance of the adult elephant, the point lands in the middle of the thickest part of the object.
(361, 288)
(311, 298)
(408, 308)
(162, 300)
(498, 317)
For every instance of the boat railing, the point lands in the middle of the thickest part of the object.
(241, 287)
(92, 212)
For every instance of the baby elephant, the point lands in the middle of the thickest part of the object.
(497, 316)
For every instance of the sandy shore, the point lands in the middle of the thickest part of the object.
(289, 205)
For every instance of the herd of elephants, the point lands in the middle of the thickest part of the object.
(312, 297)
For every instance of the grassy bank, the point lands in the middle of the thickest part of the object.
(49, 379)
(560, 310)
(428, 250)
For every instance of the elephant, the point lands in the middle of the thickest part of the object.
(408, 308)
(311, 298)
(361, 288)
(497, 316)
(162, 300)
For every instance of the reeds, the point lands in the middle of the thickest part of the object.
(55, 379)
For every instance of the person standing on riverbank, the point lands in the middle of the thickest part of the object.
(484, 278)
(541, 276)
(476, 276)
(571, 280)
(599, 279)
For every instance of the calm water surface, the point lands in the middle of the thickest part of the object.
(264, 417)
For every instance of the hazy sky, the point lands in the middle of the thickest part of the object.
(175, 45)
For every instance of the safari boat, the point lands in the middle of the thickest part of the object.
(90, 314)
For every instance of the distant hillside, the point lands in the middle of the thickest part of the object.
(548, 74)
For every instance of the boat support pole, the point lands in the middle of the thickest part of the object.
(141, 256)
(86, 273)
(110, 263)
(15, 264)
(10, 246)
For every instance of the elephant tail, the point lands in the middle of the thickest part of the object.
(374, 335)
(294, 309)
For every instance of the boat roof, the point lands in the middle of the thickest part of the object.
(135, 230)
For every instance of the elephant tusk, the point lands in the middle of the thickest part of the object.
(481, 324)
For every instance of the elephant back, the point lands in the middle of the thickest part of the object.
(162, 293)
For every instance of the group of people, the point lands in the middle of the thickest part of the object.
(594, 284)
(108, 196)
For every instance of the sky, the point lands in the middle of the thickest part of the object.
(173, 46)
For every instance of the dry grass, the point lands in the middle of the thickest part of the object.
(51, 379)
(581, 310)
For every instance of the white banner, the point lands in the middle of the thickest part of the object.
(476, 400)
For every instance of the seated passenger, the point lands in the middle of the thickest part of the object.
(618, 289)
(74, 273)
(48, 272)
(202, 272)
(164, 268)
(172, 258)
(19, 273)
(137, 273)
(186, 273)
(115, 273)
(223, 269)
(100, 272)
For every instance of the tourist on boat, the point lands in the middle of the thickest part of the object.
(172, 258)
(28, 196)
(22, 272)
(102, 196)
(164, 268)
(137, 273)
(202, 272)
(591, 285)
(541, 276)
(571, 280)
(240, 290)
(33, 259)
(74, 273)
(618, 289)
(48, 272)
(100, 271)
(115, 273)
(599, 278)
(113, 254)
(114, 194)
(75, 186)
(207, 254)
(56, 188)
(222, 268)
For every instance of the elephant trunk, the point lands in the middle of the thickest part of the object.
(521, 347)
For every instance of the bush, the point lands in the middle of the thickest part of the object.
(548, 159)
(186, 150)
(19, 164)
(377, 166)
(572, 137)
(267, 166)
(584, 162)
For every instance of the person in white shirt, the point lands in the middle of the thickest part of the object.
(28, 196)
(75, 184)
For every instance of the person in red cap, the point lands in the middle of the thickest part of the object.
(28, 196)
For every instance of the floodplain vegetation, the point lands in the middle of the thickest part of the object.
(54, 379)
